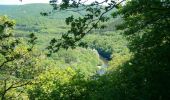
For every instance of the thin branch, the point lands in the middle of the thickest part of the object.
(103, 15)
(7, 61)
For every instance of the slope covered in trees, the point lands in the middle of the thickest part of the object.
(137, 52)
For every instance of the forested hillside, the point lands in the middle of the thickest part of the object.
(116, 50)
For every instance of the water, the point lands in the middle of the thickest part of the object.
(103, 67)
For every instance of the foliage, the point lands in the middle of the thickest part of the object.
(61, 84)
(81, 26)
(138, 73)
(107, 44)
(146, 25)
(147, 28)
(19, 64)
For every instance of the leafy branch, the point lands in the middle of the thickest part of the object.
(81, 26)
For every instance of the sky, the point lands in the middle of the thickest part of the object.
(17, 2)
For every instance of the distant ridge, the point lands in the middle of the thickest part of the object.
(21, 4)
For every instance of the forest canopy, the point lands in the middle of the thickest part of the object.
(109, 50)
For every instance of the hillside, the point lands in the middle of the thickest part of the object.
(47, 55)
(101, 43)
(28, 17)
(33, 10)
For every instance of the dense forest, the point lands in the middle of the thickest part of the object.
(107, 50)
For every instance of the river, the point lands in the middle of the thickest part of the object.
(102, 68)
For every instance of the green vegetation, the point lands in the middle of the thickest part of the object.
(52, 55)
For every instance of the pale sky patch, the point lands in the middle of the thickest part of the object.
(17, 2)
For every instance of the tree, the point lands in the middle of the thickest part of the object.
(18, 65)
(83, 25)
(146, 24)
(62, 84)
